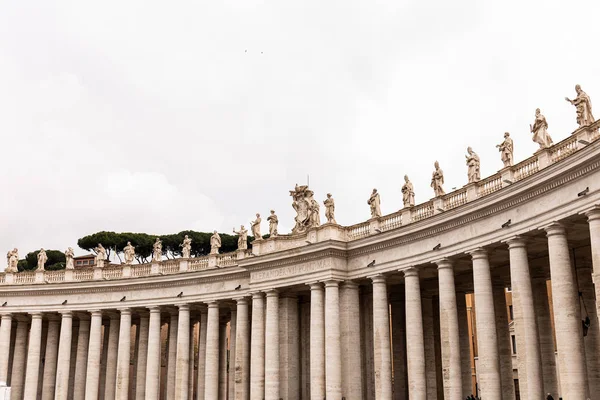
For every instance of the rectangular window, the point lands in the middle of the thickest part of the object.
(85, 262)
(514, 344)
(78, 262)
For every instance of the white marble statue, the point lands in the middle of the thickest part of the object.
(186, 247)
(307, 214)
(583, 105)
(215, 242)
(408, 193)
(473, 164)
(129, 252)
(12, 258)
(375, 203)
(242, 238)
(540, 130)
(330, 209)
(506, 150)
(315, 209)
(42, 258)
(273, 222)
(437, 180)
(255, 226)
(69, 255)
(100, 255)
(157, 250)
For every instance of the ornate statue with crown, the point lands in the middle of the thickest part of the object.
(307, 215)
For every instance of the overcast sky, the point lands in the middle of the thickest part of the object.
(156, 117)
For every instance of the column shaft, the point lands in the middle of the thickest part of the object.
(350, 341)
(64, 357)
(17, 379)
(333, 350)
(488, 369)
(153, 359)
(242, 350)
(594, 224)
(415, 351)
(33, 357)
(504, 341)
(111, 362)
(449, 333)
(232, 354)
(257, 366)
(142, 358)
(381, 339)
(398, 311)
(465, 343)
(546, 337)
(211, 385)
(317, 341)
(289, 346)
(272, 347)
(202, 354)
(429, 346)
(569, 335)
(182, 368)
(124, 357)
(94, 357)
(81, 357)
(222, 360)
(172, 357)
(50, 359)
(5, 336)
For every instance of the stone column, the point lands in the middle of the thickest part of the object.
(504, 342)
(242, 351)
(488, 367)
(398, 313)
(111, 362)
(172, 358)
(333, 350)
(546, 337)
(50, 358)
(232, 345)
(449, 333)
(521, 286)
(317, 341)
(142, 357)
(124, 357)
(569, 335)
(289, 346)
(81, 357)
(429, 336)
(5, 336)
(153, 359)
(350, 341)
(593, 216)
(257, 353)
(223, 360)
(94, 356)
(192, 355)
(381, 339)
(183, 353)
(17, 379)
(465, 343)
(415, 349)
(64, 357)
(272, 346)
(33, 357)
(202, 354)
(211, 383)
(592, 340)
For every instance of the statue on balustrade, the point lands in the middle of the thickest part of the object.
(473, 165)
(129, 252)
(12, 258)
(307, 209)
(506, 150)
(100, 255)
(375, 203)
(330, 209)
(242, 238)
(408, 193)
(157, 250)
(186, 247)
(583, 104)
(540, 130)
(273, 222)
(437, 180)
(42, 258)
(215, 242)
(255, 226)
(69, 255)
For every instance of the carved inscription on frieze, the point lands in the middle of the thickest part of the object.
(291, 270)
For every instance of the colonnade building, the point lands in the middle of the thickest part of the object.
(371, 311)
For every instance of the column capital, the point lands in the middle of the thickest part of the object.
(315, 285)
(350, 285)
(332, 283)
(184, 307)
(272, 293)
(66, 314)
(515, 242)
(6, 316)
(36, 315)
(125, 311)
(242, 300)
(555, 228)
(379, 278)
(154, 309)
(213, 304)
(593, 213)
(478, 253)
(412, 271)
(256, 295)
(444, 263)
